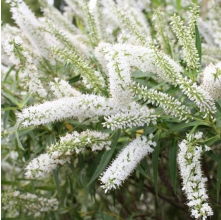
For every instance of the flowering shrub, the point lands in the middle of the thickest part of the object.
(131, 80)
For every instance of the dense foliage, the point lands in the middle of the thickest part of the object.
(112, 110)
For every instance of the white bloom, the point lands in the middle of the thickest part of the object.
(211, 80)
(29, 24)
(126, 162)
(122, 57)
(198, 95)
(83, 107)
(170, 105)
(134, 117)
(19, 56)
(193, 179)
(43, 165)
(61, 88)
(55, 15)
(187, 41)
(77, 142)
(35, 205)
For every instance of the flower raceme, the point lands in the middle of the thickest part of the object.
(34, 205)
(104, 55)
(77, 142)
(60, 153)
(189, 157)
(126, 162)
(43, 165)
(170, 105)
(130, 119)
(211, 80)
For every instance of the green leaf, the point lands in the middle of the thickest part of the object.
(141, 186)
(171, 90)
(213, 140)
(185, 125)
(139, 74)
(194, 128)
(212, 155)
(77, 215)
(51, 139)
(131, 217)
(218, 105)
(198, 42)
(146, 167)
(10, 98)
(5, 120)
(141, 170)
(56, 179)
(155, 160)
(74, 79)
(105, 158)
(178, 5)
(18, 139)
(173, 164)
(218, 180)
(9, 108)
(5, 182)
(24, 102)
(9, 71)
(46, 188)
(19, 218)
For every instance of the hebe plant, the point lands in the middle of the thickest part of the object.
(138, 83)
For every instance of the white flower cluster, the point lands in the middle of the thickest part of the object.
(61, 88)
(131, 118)
(133, 25)
(9, 47)
(189, 156)
(96, 10)
(43, 165)
(211, 80)
(77, 8)
(198, 95)
(92, 79)
(135, 15)
(91, 24)
(126, 162)
(170, 105)
(194, 15)
(77, 142)
(163, 32)
(81, 107)
(55, 15)
(77, 43)
(122, 57)
(58, 154)
(29, 25)
(187, 41)
(89, 48)
(19, 56)
(30, 203)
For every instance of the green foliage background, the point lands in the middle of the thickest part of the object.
(152, 192)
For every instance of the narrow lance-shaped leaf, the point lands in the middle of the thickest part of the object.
(172, 163)
(155, 160)
(198, 43)
(218, 180)
(105, 158)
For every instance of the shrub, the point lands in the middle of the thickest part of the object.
(125, 81)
